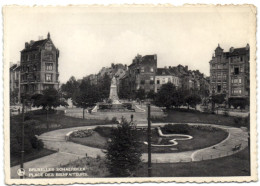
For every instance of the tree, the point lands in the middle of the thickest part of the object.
(49, 99)
(140, 94)
(164, 97)
(104, 86)
(70, 87)
(178, 97)
(151, 95)
(217, 99)
(123, 151)
(14, 96)
(86, 96)
(192, 100)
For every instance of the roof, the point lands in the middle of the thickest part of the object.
(142, 59)
(163, 72)
(35, 45)
(239, 51)
(15, 67)
(151, 57)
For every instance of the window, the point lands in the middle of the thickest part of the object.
(151, 78)
(163, 81)
(236, 70)
(158, 81)
(142, 69)
(142, 82)
(236, 91)
(219, 88)
(151, 69)
(169, 79)
(48, 77)
(219, 66)
(241, 69)
(239, 80)
(219, 75)
(49, 66)
(241, 58)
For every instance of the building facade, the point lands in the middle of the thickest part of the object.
(141, 73)
(39, 66)
(229, 72)
(163, 76)
(15, 83)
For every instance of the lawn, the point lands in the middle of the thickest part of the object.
(235, 165)
(57, 121)
(16, 160)
(202, 138)
(185, 116)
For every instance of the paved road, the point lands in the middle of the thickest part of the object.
(140, 113)
(69, 151)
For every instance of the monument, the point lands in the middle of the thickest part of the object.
(113, 92)
(114, 104)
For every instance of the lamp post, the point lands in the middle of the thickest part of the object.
(22, 148)
(149, 141)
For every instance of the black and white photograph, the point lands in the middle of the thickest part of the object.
(133, 93)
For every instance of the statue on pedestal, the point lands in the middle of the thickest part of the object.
(113, 92)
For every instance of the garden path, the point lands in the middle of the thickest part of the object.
(69, 151)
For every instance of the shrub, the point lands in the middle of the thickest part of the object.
(104, 106)
(205, 128)
(242, 122)
(37, 143)
(103, 131)
(82, 133)
(226, 113)
(176, 129)
(98, 157)
(128, 106)
(114, 120)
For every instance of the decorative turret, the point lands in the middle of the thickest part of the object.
(48, 36)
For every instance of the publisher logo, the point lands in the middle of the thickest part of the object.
(21, 172)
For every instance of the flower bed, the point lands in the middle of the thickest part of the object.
(82, 133)
(202, 137)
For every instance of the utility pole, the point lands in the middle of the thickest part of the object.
(22, 149)
(149, 141)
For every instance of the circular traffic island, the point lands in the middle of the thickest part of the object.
(169, 138)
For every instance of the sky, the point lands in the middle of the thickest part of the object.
(92, 38)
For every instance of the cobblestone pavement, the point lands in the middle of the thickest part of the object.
(68, 151)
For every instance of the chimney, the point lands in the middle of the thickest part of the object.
(247, 46)
(165, 67)
(186, 68)
(231, 49)
(31, 42)
(40, 38)
(26, 45)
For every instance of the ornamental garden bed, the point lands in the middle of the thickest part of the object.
(202, 137)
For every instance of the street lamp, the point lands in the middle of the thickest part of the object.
(149, 141)
(22, 148)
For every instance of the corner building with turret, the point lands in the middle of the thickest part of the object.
(229, 73)
(39, 66)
